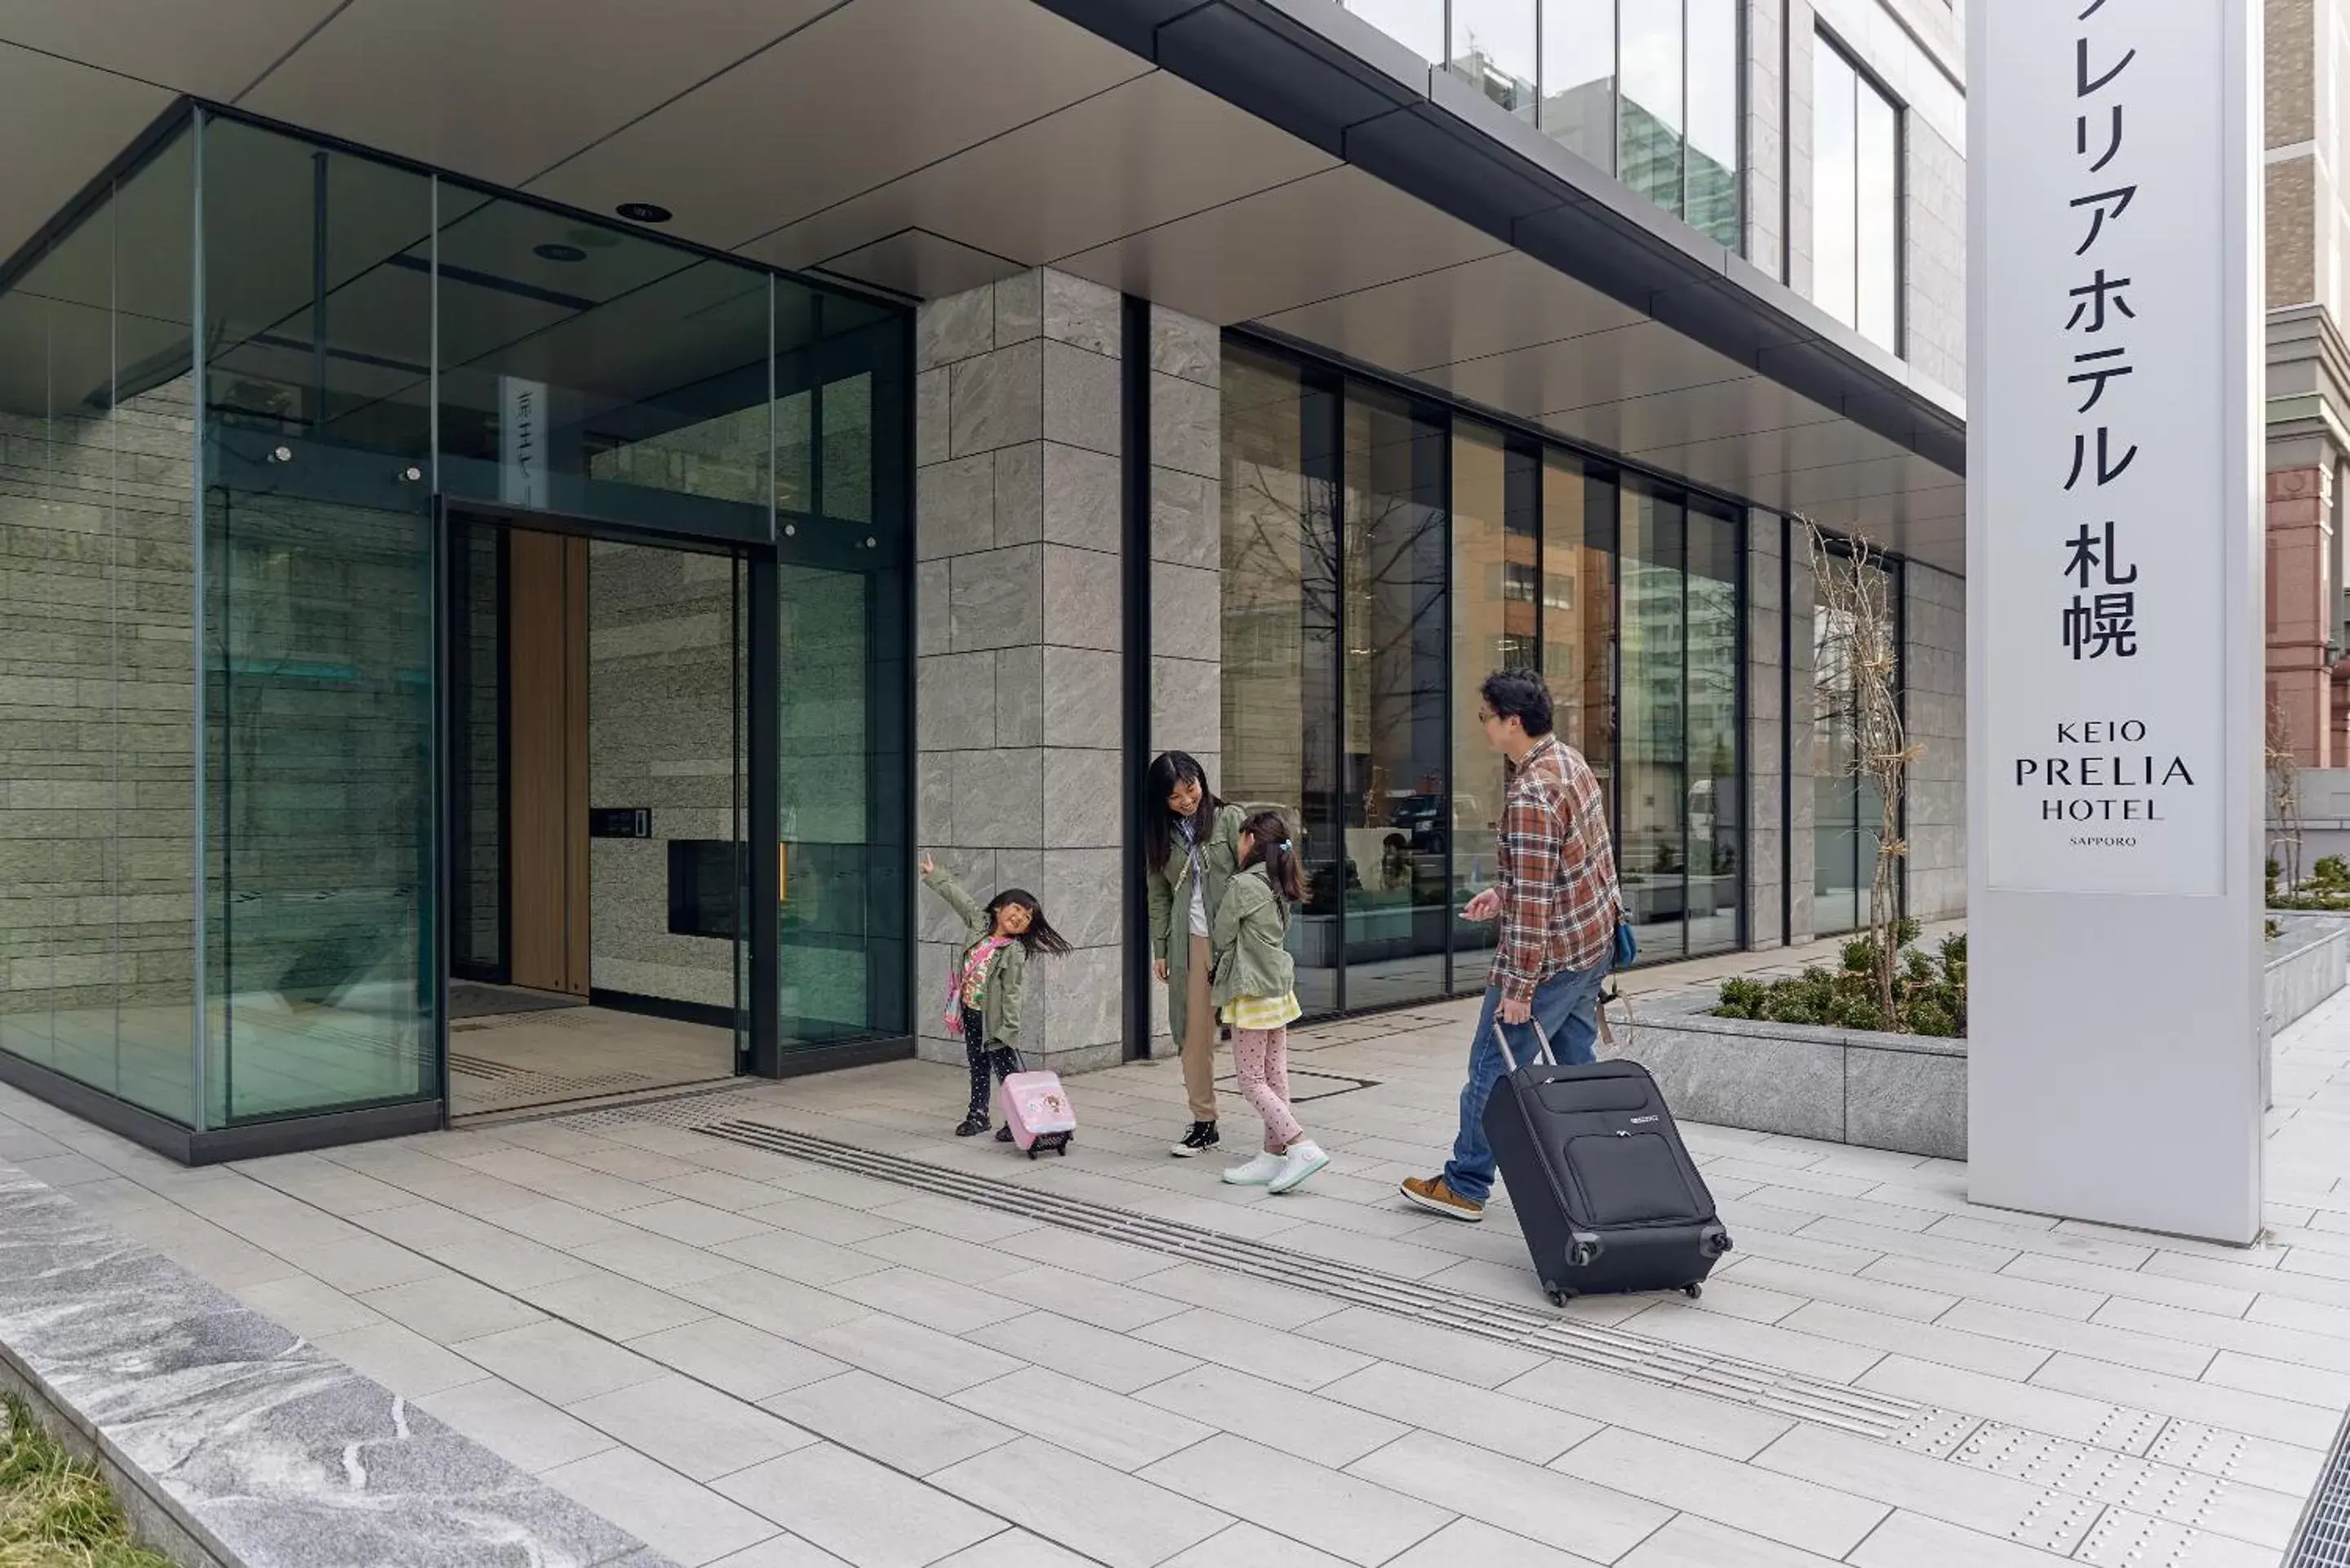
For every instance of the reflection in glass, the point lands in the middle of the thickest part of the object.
(1279, 631)
(97, 911)
(1847, 811)
(1397, 729)
(1649, 119)
(1578, 76)
(1417, 24)
(1579, 632)
(1710, 197)
(1496, 625)
(1856, 206)
(1652, 852)
(828, 918)
(318, 653)
(1716, 817)
(1493, 50)
(599, 372)
(1877, 244)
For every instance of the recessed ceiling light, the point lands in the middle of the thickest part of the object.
(559, 253)
(644, 212)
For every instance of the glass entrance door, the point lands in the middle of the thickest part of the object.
(596, 788)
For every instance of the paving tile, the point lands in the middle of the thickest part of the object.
(1113, 1361)
(1014, 1549)
(2258, 1415)
(311, 1308)
(660, 1507)
(1545, 1505)
(1388, 1257)
(1972, 1498)
(2126, 1537)
(2049, 1410)
(1869, 1294)
(449, 1309)
(1244, 1545)
(2057, 1243)
(767, 1301)
(921, 1358)
(633, 1164)
(746, 1362)
(1092, 1510)
(1791, 1511)
(2133, 1284)
(1123, 1433)
(561, 1225)
(1460, 1357)
(1472, 1543)
(2279, 1379)
(883, 1420)
(1679, 1322)
(1361, 1521)
(558, 1363)
(1939, 1341)
(1237, 1295)
(792, 1256)
(718, 1189)
(402, 1359)
(1121, 1309)
(2099, 1339)
(952, 1217)
(1689, 1542)
(657, 1261)
(1318, 1430)
(506, 1262)
(608, 1304)
(1502, 1422)
(2258, 1334)
(1912, 1541)
(1088, 1255)
(1953, 1250)
(368, 1263)
(1251, 1347)
(838, 1223)
(1809, 1252)
(694, 1430)
(925, 1299)
(518, 1427)
(2284, 1280)
(695, 1224)
(1612, 1398)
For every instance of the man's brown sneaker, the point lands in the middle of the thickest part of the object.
(1431, 1194)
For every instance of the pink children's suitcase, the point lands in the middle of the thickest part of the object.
(1038, 1110)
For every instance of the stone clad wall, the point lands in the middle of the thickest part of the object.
(1934, 698)
(1019, 621)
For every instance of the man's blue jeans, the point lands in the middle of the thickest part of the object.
(1567, 1007)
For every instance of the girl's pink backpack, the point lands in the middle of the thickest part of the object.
(1038, 1110)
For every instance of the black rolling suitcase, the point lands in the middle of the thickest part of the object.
(1607, 1196)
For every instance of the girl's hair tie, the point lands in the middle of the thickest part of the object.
(1285, 847)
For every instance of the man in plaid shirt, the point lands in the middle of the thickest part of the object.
(1559, 905)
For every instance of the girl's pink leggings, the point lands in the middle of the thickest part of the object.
(1263, 1057)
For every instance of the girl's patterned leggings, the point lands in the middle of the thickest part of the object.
(1001, 1063)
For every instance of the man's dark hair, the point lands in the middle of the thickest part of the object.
(1519, 694)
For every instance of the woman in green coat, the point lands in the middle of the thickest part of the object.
(1189, 852)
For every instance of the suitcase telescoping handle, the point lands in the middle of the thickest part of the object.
(1543, 1053)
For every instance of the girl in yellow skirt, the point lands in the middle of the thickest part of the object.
(1255, 986)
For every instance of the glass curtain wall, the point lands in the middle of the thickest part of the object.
(231, 392)
(1847, 810)
(1380, 576)
(1855, 198)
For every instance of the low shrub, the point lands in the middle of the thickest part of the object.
(1929, 993)
(56, 1510)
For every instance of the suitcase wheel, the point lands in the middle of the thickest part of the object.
(1693, 1291)
(1558, 1298)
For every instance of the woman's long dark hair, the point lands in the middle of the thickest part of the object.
(1167, 770)
(1040, 936)
(1283, 867)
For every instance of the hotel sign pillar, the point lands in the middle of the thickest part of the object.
(2114, 581)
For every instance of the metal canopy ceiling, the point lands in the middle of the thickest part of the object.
(1269, 162)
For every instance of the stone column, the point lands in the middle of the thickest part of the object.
(1934, 709)
(1766, 735)
(1018, 705)
(1766, 148)
(2300, 607)
(1186, 555)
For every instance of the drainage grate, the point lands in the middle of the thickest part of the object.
(2323, 1540)
(1613, 1350)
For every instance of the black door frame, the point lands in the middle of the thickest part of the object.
(757, 1050)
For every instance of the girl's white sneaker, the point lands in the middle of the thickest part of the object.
(1304, 1158)
(1257, 1172)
